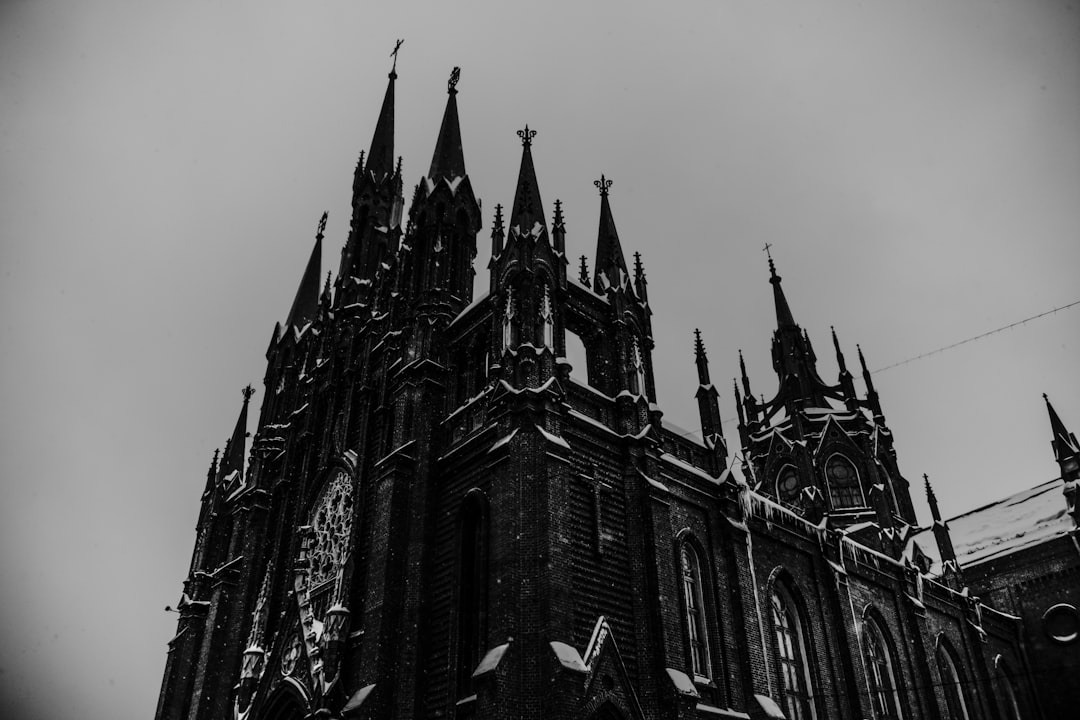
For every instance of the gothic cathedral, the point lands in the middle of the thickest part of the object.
(433, 520)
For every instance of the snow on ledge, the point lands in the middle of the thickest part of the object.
(721, 712)
(503, 441)
(491, 660)
(568, 656)
(772, 710)
(357, 699)
(552, 438)
(682, 682)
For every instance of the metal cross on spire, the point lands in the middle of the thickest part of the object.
(604, 184)
(397, 46)
(455, 75)
(526, 136)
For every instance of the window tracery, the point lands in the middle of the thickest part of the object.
(791, 652)
(331, 526)
(787, 485)
(845, 490)
(879, 672)
(694, 609)
(955, 705)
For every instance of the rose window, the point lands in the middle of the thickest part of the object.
(331, 525)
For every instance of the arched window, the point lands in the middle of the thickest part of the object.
(879, 673)
(790, 646)
(843, 479)
(694, 607)
(547, 320)
(951, 685)
(508, 321)
(639, 369)
(787, 485)
(472, 591)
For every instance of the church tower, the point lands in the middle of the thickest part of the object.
(435, 518)
(818, 448)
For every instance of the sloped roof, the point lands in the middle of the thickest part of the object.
(1003, 527)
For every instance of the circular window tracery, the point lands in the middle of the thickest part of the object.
(331, 525)
(787, 484)
(293, 650)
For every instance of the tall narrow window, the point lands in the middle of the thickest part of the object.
(844, 487)
(639, 368)
(547, 320)
(794, 674)
(508, 321)
(695, 611)
(951, 686)
(472, 595)
(1005, 685)
(879, 672)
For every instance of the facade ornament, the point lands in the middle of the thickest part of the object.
(526, 136)
(604, 184)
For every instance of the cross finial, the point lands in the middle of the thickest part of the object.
(772, 267)
(451, 84)
(248, 392)
(397, 46)
(604, 184)
(526, 136)
(322, 226)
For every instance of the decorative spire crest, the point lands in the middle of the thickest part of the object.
(604, 184)
(397, 46)
(455, 76)
(558, 221)
(584, 276)
(322, 226)
(526, 136)
(247, 392)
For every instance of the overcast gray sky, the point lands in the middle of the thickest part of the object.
(915, 165)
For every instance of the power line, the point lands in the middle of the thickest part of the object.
(978, 337)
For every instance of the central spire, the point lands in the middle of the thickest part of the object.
(527, 213)
(449, 159)
(783, 312)
(380, 158)
(610, 262)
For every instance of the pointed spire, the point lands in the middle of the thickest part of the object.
(783, 312)
(306, 303)
(871, 393)
(583, 272)
(449, 159)
(1064, 442)
(326, 288)
(738, 403)
(527, 213)
(380, 160)
(700, 359)
(236, 449)
(931, 499)
(558, 229)
(212, 473)
(745, 377)
(498, 233)
(839, 353)
(610, 268)
(640, 283)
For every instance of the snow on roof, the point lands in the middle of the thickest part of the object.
(1015, 522)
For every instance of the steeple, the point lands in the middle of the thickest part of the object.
(527, 214)
(846, 384)
(1067, 454)
(941, 531)
(236, 448)
(306, 303)
(380, 158)
(871, 394)
(784, 318)
(449, 159)
(610, 269)
(709, 407)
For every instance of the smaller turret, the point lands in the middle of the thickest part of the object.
(941, 533)
(709, 407)
(1067, 455)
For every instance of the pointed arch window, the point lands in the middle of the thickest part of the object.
(547, 320)
(787, 484)
(639, 368)
(472, 591)
(951, 685)
(1003, 682)
(845, 490)
(879, 672)
(508, 321)
(694, 611)
(790, 647)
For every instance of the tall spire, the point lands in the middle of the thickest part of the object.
(783, 312)
(610, 269)
(931, 499)
(1064, 442)
(527, 213)
(236, 449)
(709, 407)
(449, 159)
(700, 359)
(380, 158)
(871, 393)
(583, 272)
(941, 533)
(306, 303)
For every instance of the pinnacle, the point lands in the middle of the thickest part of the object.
(449, 159)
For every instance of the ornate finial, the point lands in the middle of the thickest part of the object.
(360, 163)
(248, 392)
(772, 267)
(526, 136)
(558, 213)
(326, 287)
(604, 184)
(498, 224)
(639, 269)
(398, 170)
(451, 84)
(322, 226)
(397, 46)
(699, 346)
(584, 273)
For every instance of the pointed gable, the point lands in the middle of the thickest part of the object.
(610, 270)
(306, 303)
